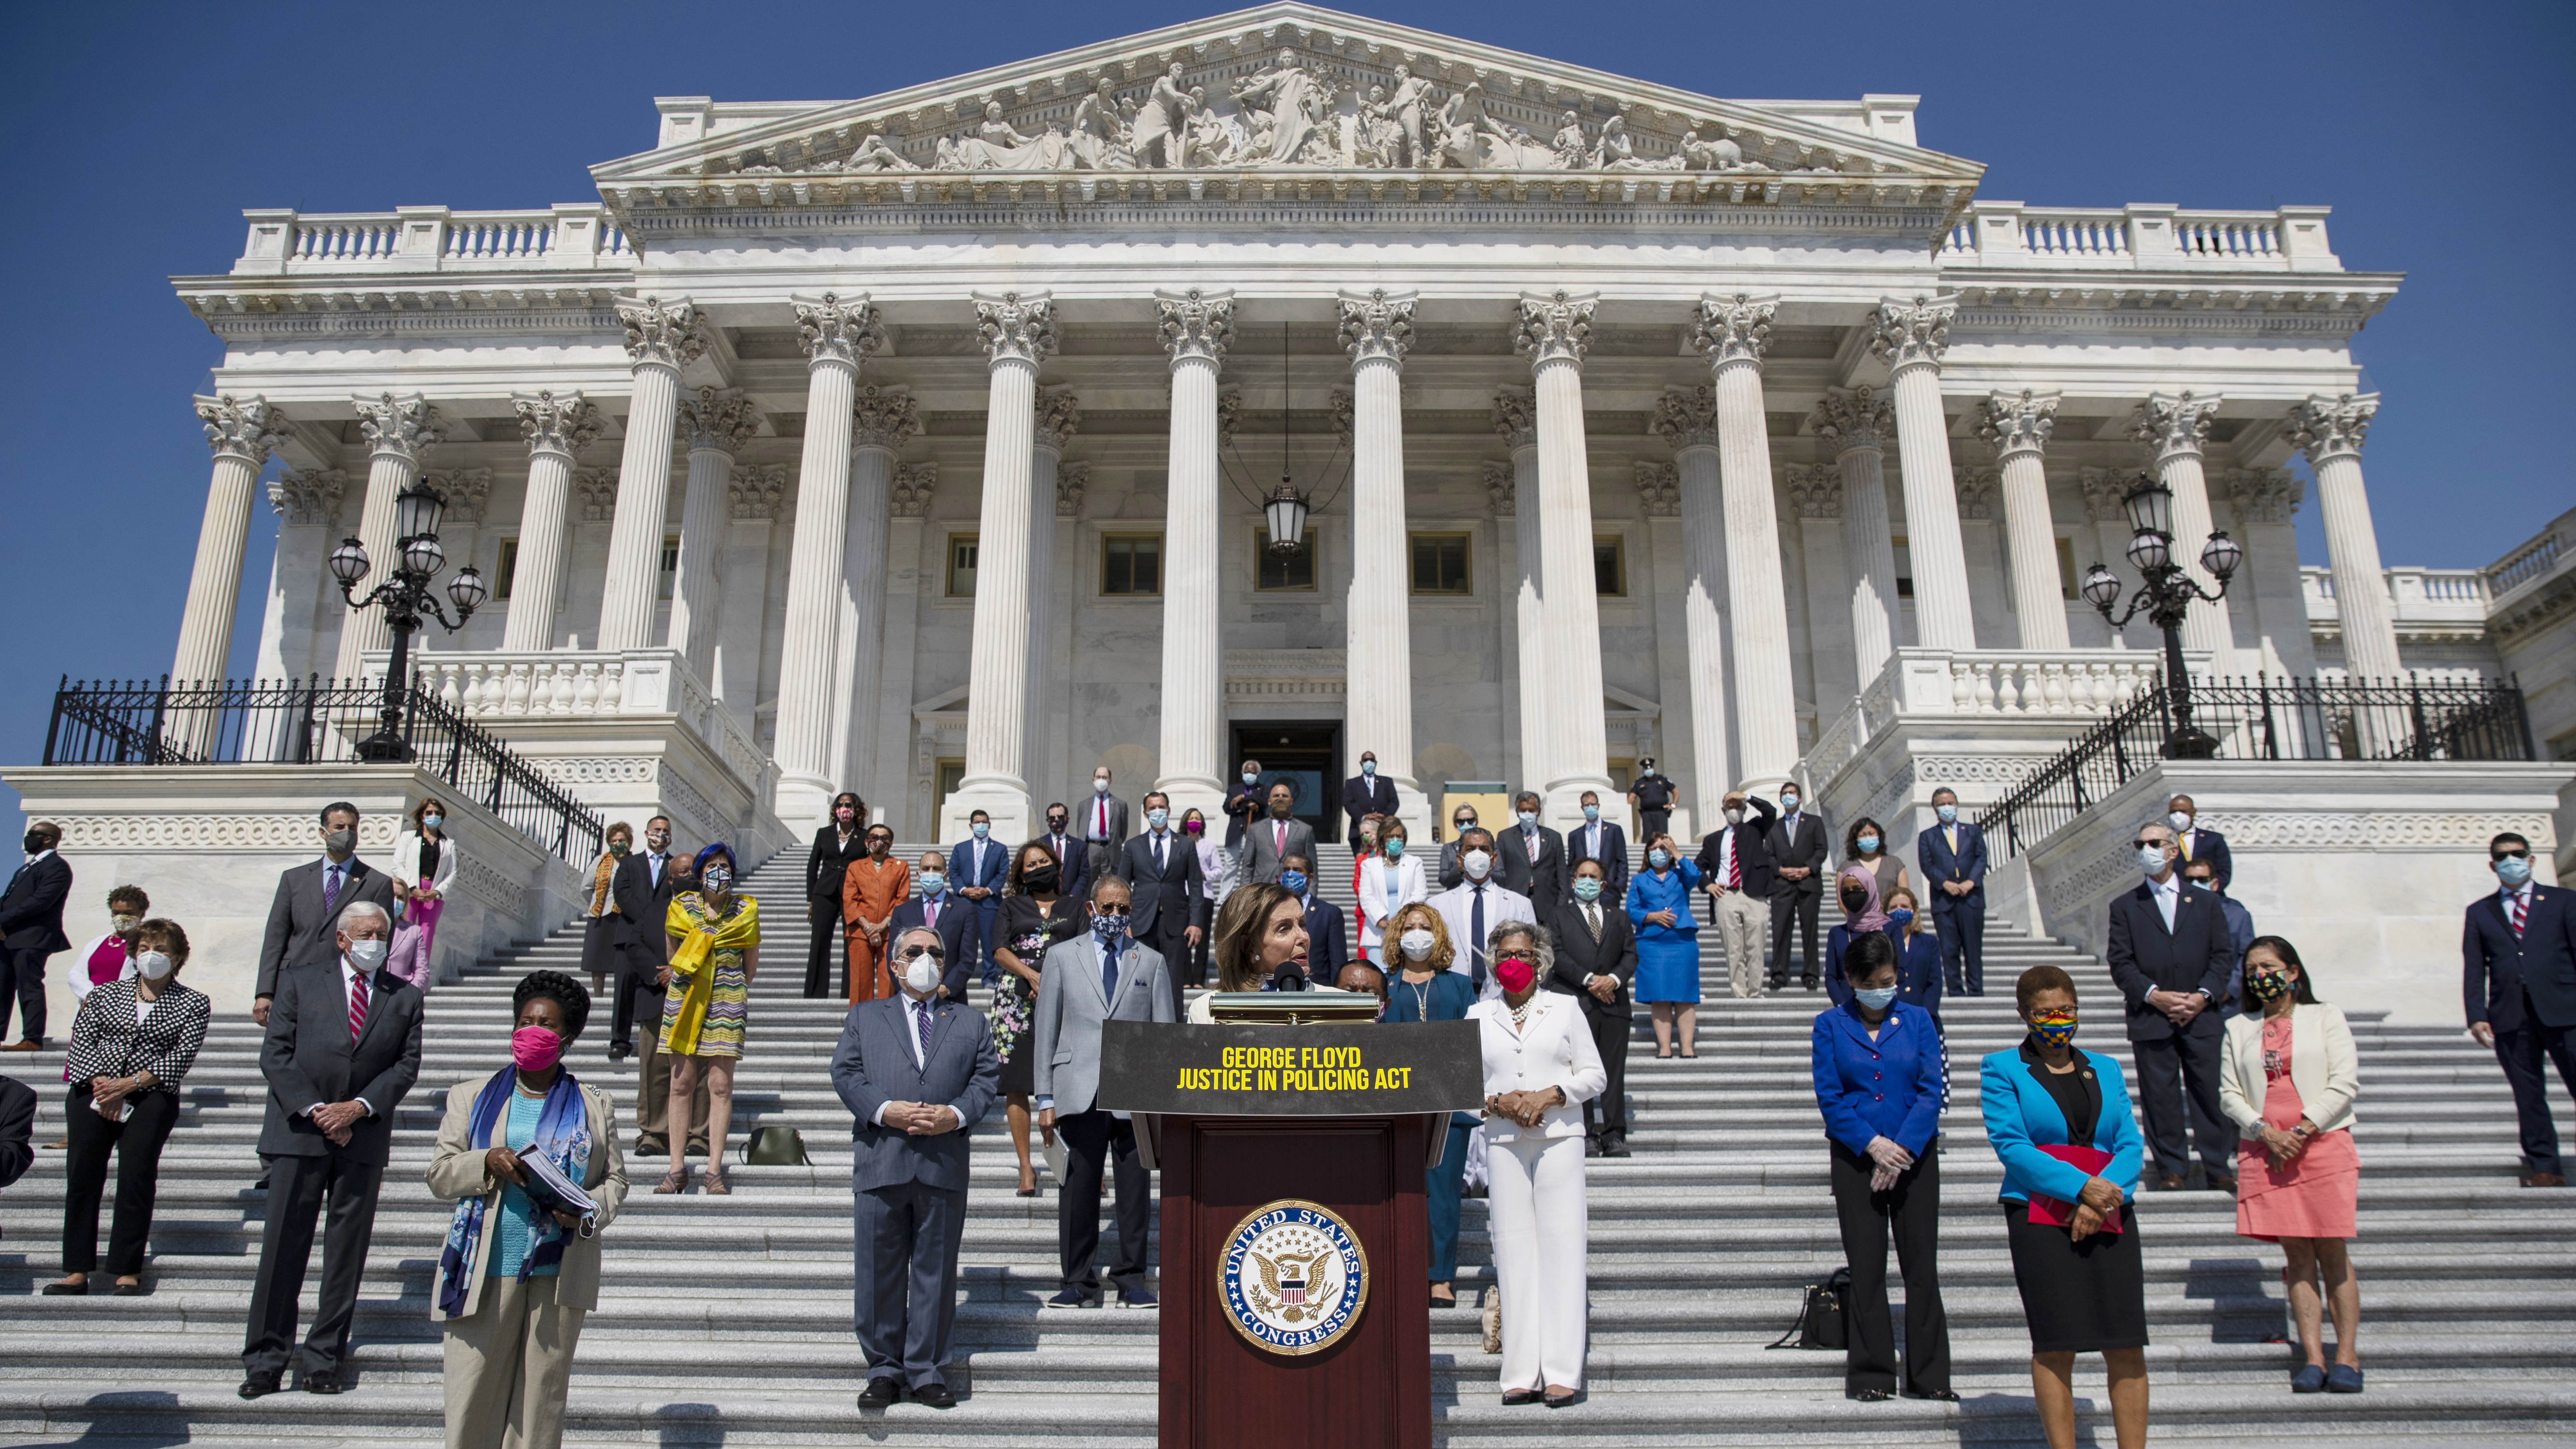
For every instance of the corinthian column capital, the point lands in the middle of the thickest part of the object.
(2265, 495)
(662, 334)
(2173, 424)
(1659, 488)
(1554, 326)
(2019, 422)
(2327, 427)
(1377, 325)
(308, 496)
(1815, 488)
(723, 421)
(1977, 488)
(1059, 417)
(1071, 482)
(1686, 417)
(834, 328)
(1733, 329)
(1196, 323)
(242, 427)
(914, 486)
(1912, 331)
(1016, 326)
(883, 417)
(553, 424)
(1853, 418)
(1516, 417)
(398, 427)
(1502, 489)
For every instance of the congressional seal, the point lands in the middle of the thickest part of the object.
(1293, 1277)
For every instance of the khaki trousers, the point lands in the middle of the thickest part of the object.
(1741, 923)
(509, 1365)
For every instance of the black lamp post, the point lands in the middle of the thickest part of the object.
(2168, 591)
(406, 597)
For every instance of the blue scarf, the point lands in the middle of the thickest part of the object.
(563, 1138)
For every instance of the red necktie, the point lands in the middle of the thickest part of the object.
(1280, 833)
(2514, 913)
(359, 984)
(1734, 864)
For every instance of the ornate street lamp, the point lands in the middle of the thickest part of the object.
(2168, 591)
(406, 597)
(1285, 508)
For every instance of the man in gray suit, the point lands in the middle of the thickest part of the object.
(342, 1051)
(1279, 837)
(918, 1073)
(1100, 823)
(1104, 976)
(309, 900)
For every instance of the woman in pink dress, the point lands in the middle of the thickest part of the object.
(2288, 1077)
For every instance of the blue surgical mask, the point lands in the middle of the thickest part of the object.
(1393, 847)
(932, 882)
(1868, 843)
(1947, 813)
(1109, 925)
(1789, 801)
(1875, 998)
(433, 821)
(1591, 812)
(1528, 819)
(1293, 881)
(983, 828)
(1902, 915)
(1158, 817)
(2513, 870)
(1659, 858)
(1587, 889)
(1251, 779)
(1368, 767)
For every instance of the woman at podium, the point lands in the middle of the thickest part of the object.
(1260, 934)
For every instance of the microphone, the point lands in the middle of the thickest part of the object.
(1291, 976)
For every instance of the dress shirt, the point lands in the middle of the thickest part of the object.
(1529, 842)
(1592, 922)
(1279, 836)
(1059, 845)
(1950, 837)
(930, 905)
(352, 982)
(914, 1011)
(653, 867)
(335, 876)
(1592, 840)
(2513, 899)
(1100, 816)
(2168, 894)
(1109, 988)
(1726, 870)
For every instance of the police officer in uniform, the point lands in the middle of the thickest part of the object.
(1651, 796)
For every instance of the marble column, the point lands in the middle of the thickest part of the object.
(2330, 430)
(1018, 329)
(838, 334)
(242, 432)
(661, 338)
(1377, 330)
(2173, 427)
(1856, 419)
(2019, 425)
(1732, 332)
(556, 428)
(1911, 334)
(1516, 421)
(716, 425)
(399, 430)
(1197, 326)
(1553, 329)
(882, 420)
(754, 586)
(915, 562)
(1815, 491)
(1686, 419)
(1059, 417)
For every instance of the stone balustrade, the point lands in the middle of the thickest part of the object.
(2141, 238)
(432, 239)
(2417, 597)
(2072, 684)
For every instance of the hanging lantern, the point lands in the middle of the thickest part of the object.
(1286, 511)
(417, 510)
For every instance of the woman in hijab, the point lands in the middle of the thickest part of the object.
(1858, 891)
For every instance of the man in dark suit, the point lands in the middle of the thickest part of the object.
(917, 1073)
(978, 865)
(341, 1053)
(2199, 844)
(939, 908)
(643, 887)
(1245, 802)
(1328, 941)
(1735, 870)
(844, 840)
(310, 898)
(2518, 978)
(1365, 794)
(1533, 857)
(1101, 826)
(17, 1129)
(1596, 958)
(1162, 865)
(1953, 856)
(2168, 955)
(1797, 847)
(1601, 840)
(1072, 873)
(31, 929)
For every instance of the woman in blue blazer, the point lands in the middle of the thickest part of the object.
(1667, 945)
(2073, 1235)
(1879, 1084)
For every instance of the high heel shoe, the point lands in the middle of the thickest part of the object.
(676, 1180)
(714, 1184)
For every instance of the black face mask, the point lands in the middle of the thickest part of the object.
(38, 842)
(1056, 824)
(1039, 878)
(1854, 902)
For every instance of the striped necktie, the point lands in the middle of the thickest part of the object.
(359, 984)
(2514, 912)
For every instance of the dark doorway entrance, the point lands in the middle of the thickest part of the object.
(1306, 754)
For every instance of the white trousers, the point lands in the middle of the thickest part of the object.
(1536, 1213)
(1742, 921)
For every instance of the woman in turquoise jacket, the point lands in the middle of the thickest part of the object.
(1667, 945)
(2059, 1120)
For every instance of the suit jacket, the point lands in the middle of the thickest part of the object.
(1085, 812)
(1887, 1086)
(1168, 899)
(873, 1065)
(1365, 795)
(309, 1060)
(298, 927)
(1072, 864)
(825, 864)
(642, 906)
(1243, 805)
(1752, 850)
(2143, 956)
(31, 913)
(2211, 846)
(1578, 956)
(457, 1170)
(1613, 856)
(1328, 941)
(961, 935)
(1806, 847)
(1542, 880)
(985, 863)
(1940, 863)
(2500, 975)
(1266, 855)
(2022, 1118)
(1071, 1009)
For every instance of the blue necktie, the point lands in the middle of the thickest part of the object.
(1109, 972)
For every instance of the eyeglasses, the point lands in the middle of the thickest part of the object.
(909, 953)
(2143, 844)
(2512, 855)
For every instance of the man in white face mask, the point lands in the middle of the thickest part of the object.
(1478, 904)
(1100, 823)
(1735, 869)
(915, 1070)
(2198, 842)
(2168, 952)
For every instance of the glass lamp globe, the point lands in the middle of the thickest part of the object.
(349, 562)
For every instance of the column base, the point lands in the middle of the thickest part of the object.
(803, 802)
(1004, 799)
(1204, 796)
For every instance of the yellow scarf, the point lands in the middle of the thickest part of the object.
(701, 936)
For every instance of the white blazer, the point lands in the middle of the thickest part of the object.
(2323, 1066)
(407, 861)
(1554, 1050)
(1384, 892)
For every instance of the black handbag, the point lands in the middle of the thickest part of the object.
(1820, 1318)
(775, 1147)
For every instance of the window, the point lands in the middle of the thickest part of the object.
(1440, 564)
(1131, 565)
(1904, 568)
(1610, 566)
(1294, 574)
(945, 777)
(504, 570)
(2066, 569)
(961, 564)
(670, 563)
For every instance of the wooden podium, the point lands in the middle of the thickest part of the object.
(1288, 1190)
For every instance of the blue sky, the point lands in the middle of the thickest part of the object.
(140, 132)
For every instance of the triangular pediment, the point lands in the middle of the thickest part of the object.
(1339, 105)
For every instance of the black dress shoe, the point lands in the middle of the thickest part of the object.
(619, 1051)
(881, 1393)
(1614, 1146)
(2221, 1183)
(652, 1147)
(1514, 1398)
(2172, 1182)
(1869, 1396)
(1944, 1396)
(259, 1384)
(935, 1396)
(66, 1289)
(330, 1383)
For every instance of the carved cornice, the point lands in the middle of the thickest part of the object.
(1553, 326)
(597, 490)
(662, 334)
(1502, 489)
(1853, 418)
(1377, 325)
(2173, 425)
(757, 491)
(308, 497)
(246, 428)
(2265, 495)
(1732, 330)
(1912, 332)
(1071, 482)
(837, 329)
(466, 490)
(883, 417)
(1195, 324)
(1059, 417)
(2331, 427)
(1516, 417)
(2019, 422)
(914, 486)
(398, 427)
(553, 424)
(1976, 488)
(1686, 417)
(723, 421)
(1016, 326)
(1815, 489)
(1659, 488)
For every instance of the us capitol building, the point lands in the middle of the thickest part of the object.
(1293, 384)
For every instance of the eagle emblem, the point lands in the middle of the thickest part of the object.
(1293, 1277)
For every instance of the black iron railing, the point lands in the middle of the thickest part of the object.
(310, 722)
(2267, 719)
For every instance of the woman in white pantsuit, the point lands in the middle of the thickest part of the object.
(1540, 1067)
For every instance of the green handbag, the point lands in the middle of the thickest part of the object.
(774, 1147)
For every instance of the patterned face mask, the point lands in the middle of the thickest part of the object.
(2266, 985)
(2054, 1026)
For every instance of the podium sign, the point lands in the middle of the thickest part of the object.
(1289, 1071)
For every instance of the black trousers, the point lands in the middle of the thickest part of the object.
(1962, 927)
(2521, 1053)
(137, 1142)
(1793, 906)
(1171, 941)
(1097, 1144)
(1912, 1209)
(22, 979)
(1606, 1116)
(636, 994)
(2180, 1070)
(825, 948)
(299, 1188)
(1651, 823)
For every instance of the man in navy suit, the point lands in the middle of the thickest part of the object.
(980, 862)
(31, 929)
(941, 909)
(917, 1073)
(1363, 795)
(1953, 856)
(1601, 840)
(1162, 869)
(2198, 844)
(2519, 979)
(2168, 953)
(1072, 859)
(1328, 941)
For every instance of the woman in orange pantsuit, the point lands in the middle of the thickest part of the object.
(870, 890)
